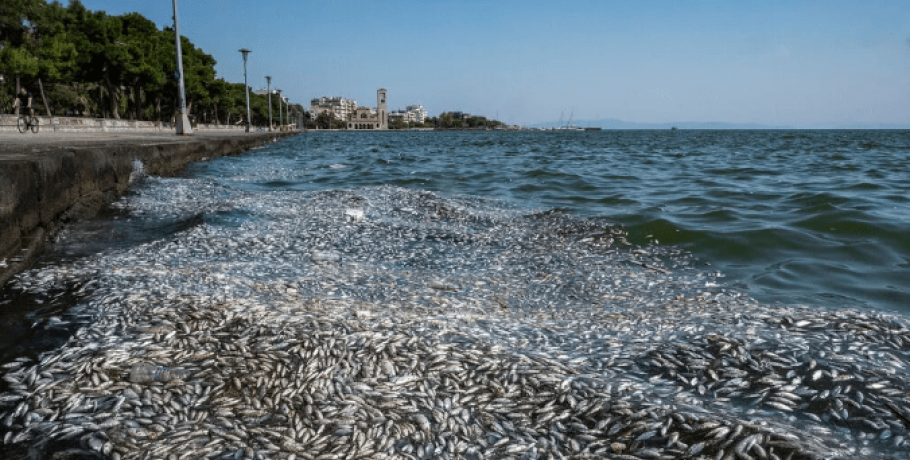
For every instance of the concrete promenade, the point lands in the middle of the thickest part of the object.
(52, 177)
(8, 123)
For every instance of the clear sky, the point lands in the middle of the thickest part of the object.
(796, 63)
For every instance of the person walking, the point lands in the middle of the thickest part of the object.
(24, 99)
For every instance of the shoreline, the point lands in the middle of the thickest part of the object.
(50, 179)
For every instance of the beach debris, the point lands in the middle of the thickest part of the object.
(354, 214)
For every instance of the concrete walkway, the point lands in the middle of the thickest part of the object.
(18, 143)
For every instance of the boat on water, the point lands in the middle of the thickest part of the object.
(568, 126)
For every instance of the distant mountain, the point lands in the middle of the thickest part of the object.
(867, 126)
(612, 123)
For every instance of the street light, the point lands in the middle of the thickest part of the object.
(268, 78)
(182, 120)
(280, 120)
(246, 88)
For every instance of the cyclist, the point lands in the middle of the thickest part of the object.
(24, 99)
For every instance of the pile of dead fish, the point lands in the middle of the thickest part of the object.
(388, 323)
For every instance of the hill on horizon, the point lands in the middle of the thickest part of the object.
(613, 123)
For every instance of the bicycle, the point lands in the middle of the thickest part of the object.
(25, 123)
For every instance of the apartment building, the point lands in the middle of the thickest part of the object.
(341, 108)
(419, 113)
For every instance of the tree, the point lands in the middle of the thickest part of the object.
(112, 65)
(198, 69)
(143, 67)
(325, 120)
(33, 43)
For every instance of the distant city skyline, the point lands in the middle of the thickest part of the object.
(796, 64)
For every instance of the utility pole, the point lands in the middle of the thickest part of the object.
(246, 88)
(280, 100)
(268, 79)
(182, 121)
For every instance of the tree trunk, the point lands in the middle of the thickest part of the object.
(47, 108)
(114, 94)
(138, 101)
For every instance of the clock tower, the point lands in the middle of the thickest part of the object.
(382, 109)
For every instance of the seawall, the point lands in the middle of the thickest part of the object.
(8, 123)
(48, 180)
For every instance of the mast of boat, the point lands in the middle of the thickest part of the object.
(569, 123)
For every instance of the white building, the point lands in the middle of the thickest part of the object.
(401, 116)
(413, 114)
(419, 113)
(339, 107)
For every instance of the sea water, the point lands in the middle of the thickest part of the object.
(820, 218)
(812, 217)
(611, 252)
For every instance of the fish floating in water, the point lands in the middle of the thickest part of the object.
(441, 327)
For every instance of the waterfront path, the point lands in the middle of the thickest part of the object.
(14, 143)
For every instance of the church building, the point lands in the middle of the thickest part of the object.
(371, 118)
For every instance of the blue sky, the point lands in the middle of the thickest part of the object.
(795, 63)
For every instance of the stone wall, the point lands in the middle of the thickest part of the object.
(43, 188)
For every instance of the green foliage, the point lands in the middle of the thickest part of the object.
(18, 61)
(91, 64)
(458, 120)
(325, 121)
(56, 57)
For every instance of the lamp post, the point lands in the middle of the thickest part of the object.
(280, 120)
(246, 88)
(268, 79)
(182, 121)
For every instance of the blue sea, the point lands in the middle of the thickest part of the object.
(810, 217)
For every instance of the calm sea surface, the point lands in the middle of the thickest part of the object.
(814, 217)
